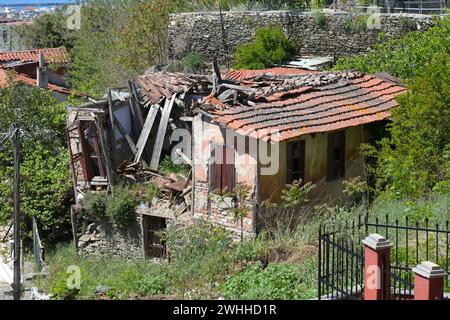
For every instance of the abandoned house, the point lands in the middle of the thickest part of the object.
(260, 129)
(45, 68)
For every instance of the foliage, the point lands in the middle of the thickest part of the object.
(47, 30)
(94, 65)
(121, 207)
(198, 255)
(296, 194)
(277, 281)
(95, 205)
(152, 192)
(355, 23)
(404, 57)
(193, 62)
(321, 18)
(167, 166)
(46, 184)
(153, 284)
(270, 47)
(414, 159)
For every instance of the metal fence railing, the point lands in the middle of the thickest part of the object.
(38, 249)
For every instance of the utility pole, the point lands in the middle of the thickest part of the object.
(16, 146)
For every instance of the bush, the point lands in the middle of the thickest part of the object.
(95, 206)
(152, 284)
(167, 166)
(414, 159)
(277, 281)
(121, 207)
(193, 62)
(270, 47)
(152, 192)
(321, 18)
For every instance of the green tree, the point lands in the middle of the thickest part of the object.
(48, 30)
(94, 65)
(415, 158)
(403, 57)
(46, 184)
(270, 47)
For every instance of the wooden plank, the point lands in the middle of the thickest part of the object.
(185, 158)
(104, 153)
(111, 128)
(140, 146)
(136, 111)
(154, 163)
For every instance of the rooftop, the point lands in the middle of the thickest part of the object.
(51, 55)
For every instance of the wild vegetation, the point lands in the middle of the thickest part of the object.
(46, 183)
(270, 47)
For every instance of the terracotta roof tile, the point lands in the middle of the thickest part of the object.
(243, 74)
(334, 102)
(51, 55)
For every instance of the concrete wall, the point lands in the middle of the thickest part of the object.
(202, 32)
(207, 205)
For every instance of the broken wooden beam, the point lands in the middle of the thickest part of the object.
(184, 157)
(140, 146)
(154, 163)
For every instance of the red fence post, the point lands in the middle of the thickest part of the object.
(428, 281)
(377, 280)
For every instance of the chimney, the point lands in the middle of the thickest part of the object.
(42, 75)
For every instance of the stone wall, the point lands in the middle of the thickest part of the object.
(105, 239)
(343, 34)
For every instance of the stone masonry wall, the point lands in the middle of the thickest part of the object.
(343, 34)
(105, 239)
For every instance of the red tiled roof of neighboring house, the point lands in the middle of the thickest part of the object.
(243, 74)
(321, 102)
(51, 55)
(29, 81)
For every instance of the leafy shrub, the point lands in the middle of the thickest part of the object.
(408, 24)
(277, 281)
(193, 62)
(167, 166)
(321, 18)
(415, 157)
(270, 47)
(121, 206)
(152, 192)
(152, 284)
(95, 206)
(354, 24)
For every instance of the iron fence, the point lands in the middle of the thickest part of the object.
(38, 249)
(341, 255)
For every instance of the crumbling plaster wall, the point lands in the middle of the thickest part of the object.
(207, 205)
(202, 32)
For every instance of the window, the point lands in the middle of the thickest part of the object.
(336, 155)
(295, 157)
(5, 36)
(221, 169)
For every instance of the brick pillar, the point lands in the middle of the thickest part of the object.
(377, 252)
(428, 281)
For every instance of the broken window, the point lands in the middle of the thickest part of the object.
(336, 155)
(156, 247)
(86, 160)
(222, 173)
(295, 161)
